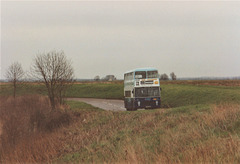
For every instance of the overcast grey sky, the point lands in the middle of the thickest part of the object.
(192, 39)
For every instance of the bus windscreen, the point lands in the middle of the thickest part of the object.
(152, 74)
(140, 75)
(147, 92)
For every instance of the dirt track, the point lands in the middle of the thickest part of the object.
(106, 104)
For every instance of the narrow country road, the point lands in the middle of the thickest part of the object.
(106, 104)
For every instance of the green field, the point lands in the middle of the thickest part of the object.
(173, 95)
(196, 124)
(97, 90)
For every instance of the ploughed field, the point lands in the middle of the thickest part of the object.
(199, 122)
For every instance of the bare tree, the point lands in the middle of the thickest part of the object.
(173, 76)
(164, 77)
(56, 72)
(97, 78)
(14, 74)
(110, 78)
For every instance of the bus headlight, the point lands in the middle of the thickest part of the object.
(139, 103)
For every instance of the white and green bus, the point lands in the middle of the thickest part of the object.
(142, 89)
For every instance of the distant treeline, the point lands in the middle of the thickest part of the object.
(180, 78)
(209, 78)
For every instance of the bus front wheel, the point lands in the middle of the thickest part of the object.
(131, 108)
(128, 109)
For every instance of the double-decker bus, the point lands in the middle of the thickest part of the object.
(142, 89)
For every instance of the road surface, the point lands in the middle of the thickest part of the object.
(106, 104)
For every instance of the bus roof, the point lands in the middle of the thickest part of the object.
(141, 69)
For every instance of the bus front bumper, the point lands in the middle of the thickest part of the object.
(154, 102)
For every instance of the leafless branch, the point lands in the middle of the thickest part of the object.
(14, 74)
(56, 72)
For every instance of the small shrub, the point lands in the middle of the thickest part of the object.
(56, 119)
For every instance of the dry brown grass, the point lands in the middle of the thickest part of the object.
(28, 129)
(0, 128)
(208, 137)
(155, 136)
(160, 136)
(38, 148)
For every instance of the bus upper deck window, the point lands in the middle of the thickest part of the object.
(140, 75)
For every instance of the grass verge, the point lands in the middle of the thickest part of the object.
(202, 133)
(201, 126)
(190, 134)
